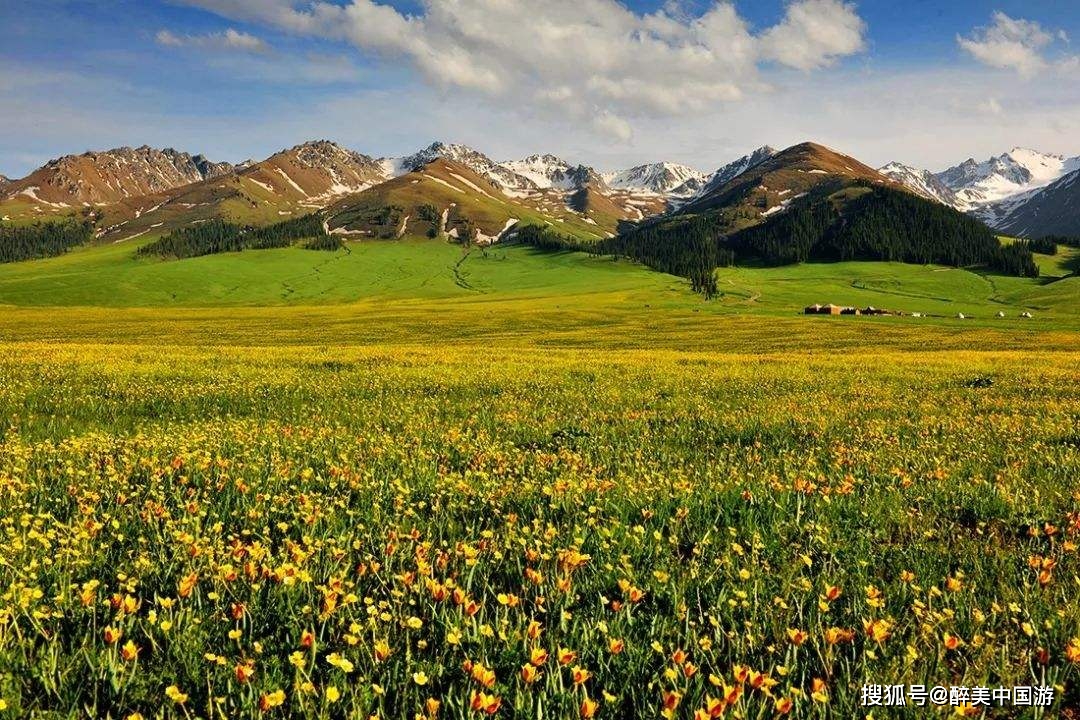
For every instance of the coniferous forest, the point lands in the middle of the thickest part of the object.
(42, 239)
(219, 236)
(879, 224)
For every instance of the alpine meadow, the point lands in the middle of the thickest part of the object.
(426, 435)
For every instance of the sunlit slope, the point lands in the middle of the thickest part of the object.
(446, 198)
(420, 269)
(408, 269)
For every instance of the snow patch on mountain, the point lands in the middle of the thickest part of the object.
(1005, 177)
(479, 163)
(659, 178)
(732, 170)
(921, 182)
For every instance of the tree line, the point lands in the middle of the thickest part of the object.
(42, 239)
(220, 236)
(883, 224)
(879, 224)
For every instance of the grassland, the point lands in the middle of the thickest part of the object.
(407, 481)
(332, 532)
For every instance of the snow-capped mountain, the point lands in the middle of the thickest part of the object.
(731, 171)
(548, 172)
(1052, 210)
(1006, 176)
(921, 182)
(660, 178)
(544, 171)
(476, 161)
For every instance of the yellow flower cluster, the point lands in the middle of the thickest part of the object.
(453, 533)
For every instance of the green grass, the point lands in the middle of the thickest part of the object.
(225, 444)
(402, 291)
(418, 269)
(225, 502)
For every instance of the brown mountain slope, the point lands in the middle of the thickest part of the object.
(290, 183)
(101, 178)
(807, 168)
(446, 198)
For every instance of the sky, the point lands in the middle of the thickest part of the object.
(607, 83)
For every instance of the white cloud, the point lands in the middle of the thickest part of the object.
(814, 34)
(229, 40)
(594, 61)
(1011, 44)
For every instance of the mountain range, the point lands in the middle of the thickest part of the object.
(131, 192)
(1022, 192)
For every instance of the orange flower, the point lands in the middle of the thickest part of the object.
(187, 584)
(740, 672)
(835, 635)
(244, 672)
(272, 700)
(485, 703)
(616, 646)
(671, 700)
(580, 675)
(89, 591)
(953, 584)
(678, 657)
(538, 656)
(382, 651)
(832, 593)
(130, 651)
(1072, 651)
(784, 705)
(715, 707)
(566, 656)
(636, 595)
(484, 676)
(689, 669)
(877, 630)
(588, 708)
(797, 637)
(759, 680)
(534, 630)
(951, 642)
(529, 673)
(112, 635)
(307, 639)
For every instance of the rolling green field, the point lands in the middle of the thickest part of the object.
(407, 481)
(420, 269)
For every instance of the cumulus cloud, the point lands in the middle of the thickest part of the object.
(229, 40)
(592, 60)
(814, 34)
(1014, 44)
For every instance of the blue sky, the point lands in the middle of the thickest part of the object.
(925, 82)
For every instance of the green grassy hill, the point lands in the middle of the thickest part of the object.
(421, 270)
(407, 269)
